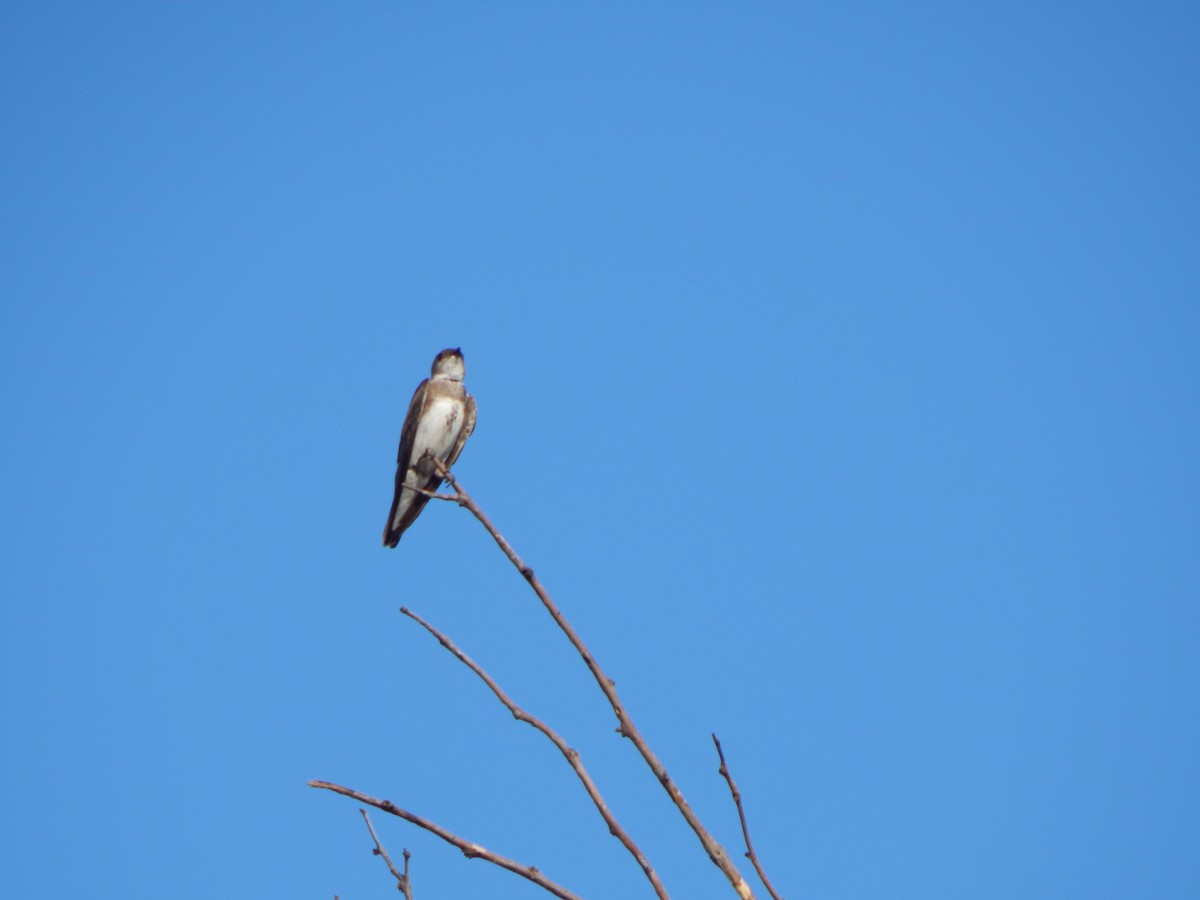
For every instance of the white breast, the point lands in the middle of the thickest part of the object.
(438, 431)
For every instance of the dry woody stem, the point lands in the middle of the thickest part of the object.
(402, 880)
(737, 801)
(568, 752)
(626, 728)
(625, 725)
(469, 849)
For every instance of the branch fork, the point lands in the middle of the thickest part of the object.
(625, 728)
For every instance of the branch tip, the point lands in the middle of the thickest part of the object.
(750, 853)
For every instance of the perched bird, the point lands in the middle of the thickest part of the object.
(440, 418)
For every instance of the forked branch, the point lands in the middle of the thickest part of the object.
(402, 881)
(625, 724)
(469, 849)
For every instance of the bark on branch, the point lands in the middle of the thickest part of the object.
(625, 725)
(402, 880)
(737, 801)
(469, 849)
(569, 753)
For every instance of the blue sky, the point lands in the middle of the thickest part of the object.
(837, 371)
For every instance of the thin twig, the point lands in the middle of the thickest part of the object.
(402, 881)
(432, 495)
(737, 801)
(625, 725)
(469, 849)
(568, 752)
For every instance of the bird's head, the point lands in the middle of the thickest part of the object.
(449, 366)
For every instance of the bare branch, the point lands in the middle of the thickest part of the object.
(625, 725)
(402, 882)
(569, 753)
(737, 801)
(469, 849)
(432, 495)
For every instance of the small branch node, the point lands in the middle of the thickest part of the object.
(403, 885)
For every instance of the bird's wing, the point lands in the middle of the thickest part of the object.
(408, 432)
(411, 501)
(468, 427)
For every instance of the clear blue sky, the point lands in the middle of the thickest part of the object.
(837, 368)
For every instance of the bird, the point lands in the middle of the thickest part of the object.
(440, 418)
